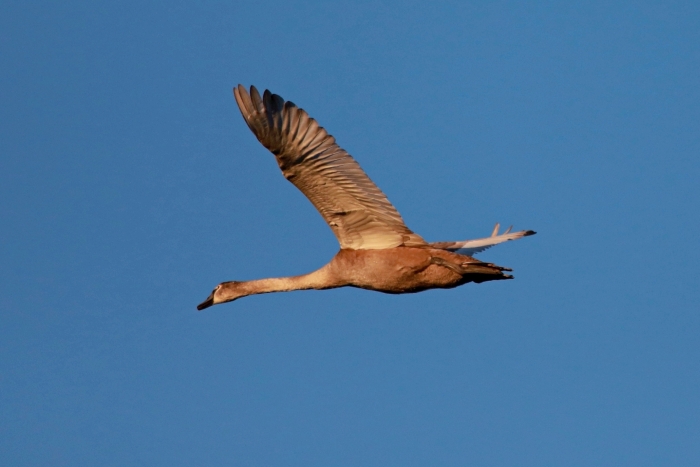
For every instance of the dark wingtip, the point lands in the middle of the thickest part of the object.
(528, 233)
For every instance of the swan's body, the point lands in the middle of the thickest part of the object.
(378, 252)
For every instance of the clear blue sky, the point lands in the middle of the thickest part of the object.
(130, 186)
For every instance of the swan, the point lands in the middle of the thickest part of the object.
(377, 251)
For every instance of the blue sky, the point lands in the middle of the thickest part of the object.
(130, 186)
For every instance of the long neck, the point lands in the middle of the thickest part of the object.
(320, 279)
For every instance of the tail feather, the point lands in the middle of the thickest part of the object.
(483, 272)
(474, 270)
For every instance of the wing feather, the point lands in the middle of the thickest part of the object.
(357, 211)
(472, 247)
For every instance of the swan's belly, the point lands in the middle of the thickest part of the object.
(396, 270)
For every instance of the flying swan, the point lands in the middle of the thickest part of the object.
(377, 250)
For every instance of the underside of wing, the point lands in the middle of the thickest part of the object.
(357, 211)
(472, 247)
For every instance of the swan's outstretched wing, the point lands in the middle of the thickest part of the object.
(472, 247)
(360, 215)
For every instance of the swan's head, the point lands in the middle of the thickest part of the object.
(222, 293)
